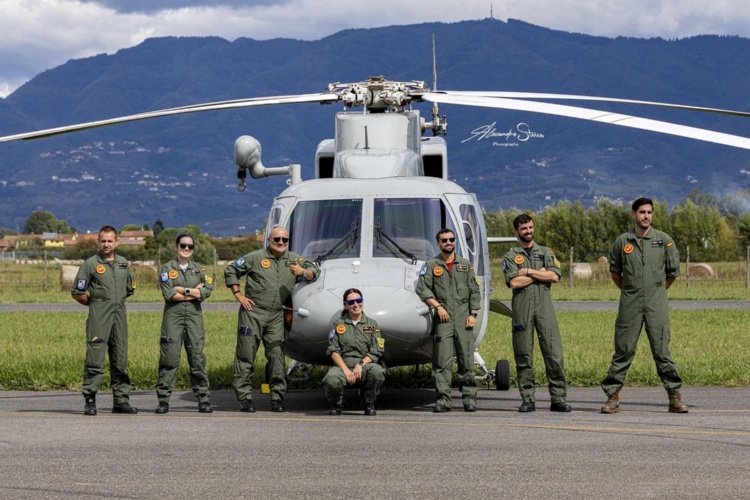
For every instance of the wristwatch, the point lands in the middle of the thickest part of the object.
(187, 291)
(361, 363)
(474, 314)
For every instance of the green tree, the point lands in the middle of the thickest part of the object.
(158, 227)
(42, 221)
(131, 227)
(4, 231)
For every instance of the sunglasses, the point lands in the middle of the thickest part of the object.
(358, 300)
(279, 239)
(446, 240)
(186, 246)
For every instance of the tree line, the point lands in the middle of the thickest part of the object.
(714, 229)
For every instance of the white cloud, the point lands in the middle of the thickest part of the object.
(42, 34)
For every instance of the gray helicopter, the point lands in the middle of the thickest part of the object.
(380, 194)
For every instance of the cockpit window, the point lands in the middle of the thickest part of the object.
(326, 229)
(405, 228)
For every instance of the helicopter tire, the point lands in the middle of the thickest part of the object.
(502, 375)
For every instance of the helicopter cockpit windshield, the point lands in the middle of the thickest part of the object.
(406, 227)
(326, 229)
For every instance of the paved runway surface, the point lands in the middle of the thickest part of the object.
(48, 449)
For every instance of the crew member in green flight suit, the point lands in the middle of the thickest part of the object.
(448, 285)
(354, 346)
(184, 285)
(271, 274)
(530, 269)
(103, 283)
(643, 264)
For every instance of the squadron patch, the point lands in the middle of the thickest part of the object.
(164, 277)
(173, 274)
(209, 280)
(340, 329)
(100, 269)
(505, 266)
(628, 249)
(239, 262)
(519, 259)
(381, 342)
(265, 263)
(81, 285)
(331, 334)
(438, 271)
(423, 271)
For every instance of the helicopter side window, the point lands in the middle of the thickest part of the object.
(473, 237)
(406, 227)
(326, 229)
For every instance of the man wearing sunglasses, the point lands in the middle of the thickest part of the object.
(448, 285)
(271, 274)
(530, 269)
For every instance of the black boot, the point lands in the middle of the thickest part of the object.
(90, 408)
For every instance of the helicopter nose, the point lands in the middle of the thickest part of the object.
(405, 323)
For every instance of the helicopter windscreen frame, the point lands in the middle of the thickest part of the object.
(406, 227)
(327, 227)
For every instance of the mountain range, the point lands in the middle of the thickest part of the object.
(180, 169)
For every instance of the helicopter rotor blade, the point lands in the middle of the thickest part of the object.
(536, 95)
(212, 106)
(589, 114)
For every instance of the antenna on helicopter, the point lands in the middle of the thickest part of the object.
(439, 125)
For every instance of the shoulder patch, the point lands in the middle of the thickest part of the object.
(209, 280)
(331, 334)
(164, 277)
(239, 262)
(381, 342)
(423, 271)
(81, 285)
(476, 279)
(519, 259)
(340, 329)
(555, 261)
(505, 266)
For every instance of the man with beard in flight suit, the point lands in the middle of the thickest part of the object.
(271, 274)
(447, 283)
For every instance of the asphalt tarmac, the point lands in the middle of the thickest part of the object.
(49, 449)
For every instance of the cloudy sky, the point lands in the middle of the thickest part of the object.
(42, 34)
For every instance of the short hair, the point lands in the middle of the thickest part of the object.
(521, 219)
(443, 231)
(640, 202)
(108, 229)
(183, 235)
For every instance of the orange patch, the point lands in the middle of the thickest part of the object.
(340, 329)
(438, 271)
(519, 259)
(100, 269)
(628, 249)
(265, 263)
(173, 274)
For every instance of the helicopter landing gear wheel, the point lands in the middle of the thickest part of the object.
(502, 375)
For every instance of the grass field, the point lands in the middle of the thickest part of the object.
(45, 351)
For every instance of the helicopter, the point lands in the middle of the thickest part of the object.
(380, 194)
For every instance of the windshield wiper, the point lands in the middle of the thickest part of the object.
(388, 239)
(339, 246)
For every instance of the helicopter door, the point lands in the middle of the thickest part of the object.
(472, 227)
